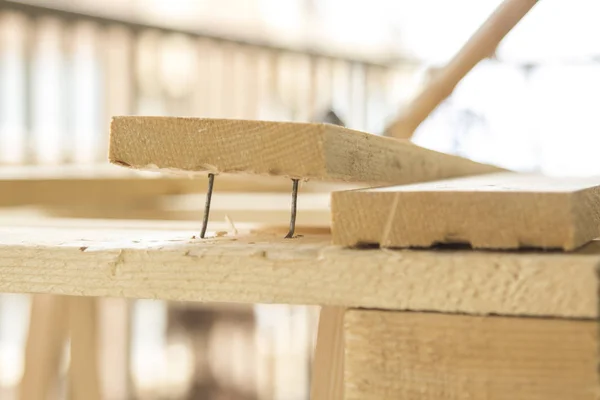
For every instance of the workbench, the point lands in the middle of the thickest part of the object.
(416, 324)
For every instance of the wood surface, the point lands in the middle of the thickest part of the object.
(265, 268)
(481, 45)
(305, 151)
(48, 332)
(502, 211)
(327, 381)
(391, 355)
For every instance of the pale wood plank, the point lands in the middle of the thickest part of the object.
(260, 208)
(108, 185)
(296, 150)
(392, 355)
(48, 331)
(114, 333)
(84, 379)
(265, 268)
(504, 210)
(481, 45)
(327, 381)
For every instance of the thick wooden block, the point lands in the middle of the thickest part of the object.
(296, 150)
(419, 356)
(502, 210)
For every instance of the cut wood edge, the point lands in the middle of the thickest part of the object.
(495, 211)
(305, 151)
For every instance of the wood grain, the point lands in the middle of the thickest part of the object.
(391, 355)
(297, 150)
(264, 268)
(502, 211)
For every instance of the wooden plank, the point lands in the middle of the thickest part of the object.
(84, 378)
(108, 185)
(327, 381)
(504, 210)
(263, 208)
(391, 355)
(265, 268)
(296, 150)
(114, 338)
(481, 45)
(48, 331)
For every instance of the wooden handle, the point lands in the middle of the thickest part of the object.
(481, 45)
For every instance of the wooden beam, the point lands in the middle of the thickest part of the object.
(480, 46)
(262, 208)
(327, 381)
(84, 377)
(265, 268)
(114, 337)
(392, 355)
(48, 331)
(111, 186)
(504, 211)
(296, 150)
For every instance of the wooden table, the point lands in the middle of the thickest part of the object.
(408, 324)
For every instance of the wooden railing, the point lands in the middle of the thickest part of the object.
(64, 74)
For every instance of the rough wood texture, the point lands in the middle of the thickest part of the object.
(503, 210)
(327, 381)
(263, 268)
(297, 150)
(391, 355)
(481, 45)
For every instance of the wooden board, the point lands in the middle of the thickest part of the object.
(327, 382)
(502, 210)
(112, 186)
(435, 356)
(168, 264)
(46, 339)
(264, 208)
(84, 376)
(295, 150)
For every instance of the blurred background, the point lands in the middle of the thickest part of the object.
(67, 66)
